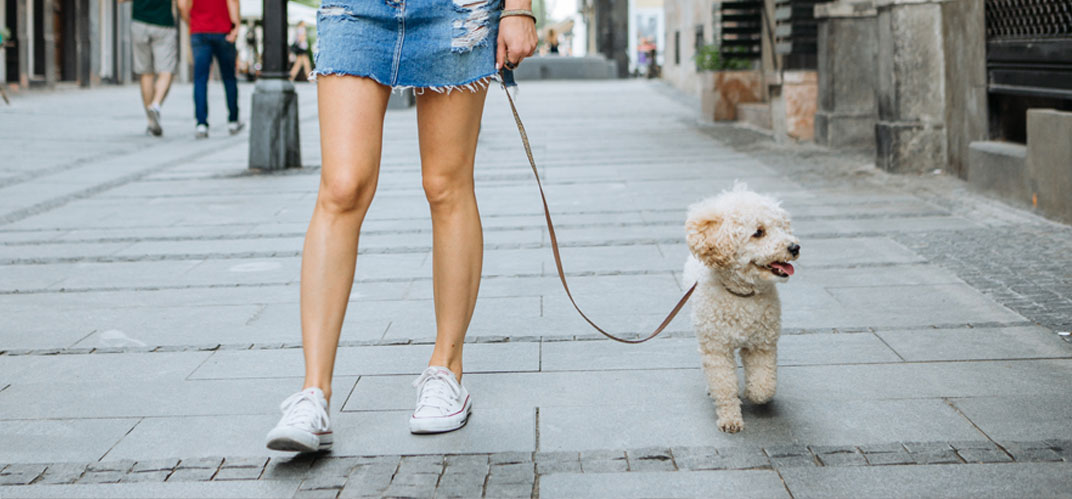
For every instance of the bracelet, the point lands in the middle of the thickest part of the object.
(518, 12)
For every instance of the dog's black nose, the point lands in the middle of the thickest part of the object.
(794, 249)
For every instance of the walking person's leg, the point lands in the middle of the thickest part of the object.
(202, 65)
(351, 114)
(226, 55)
(449, 124)
(142, 49)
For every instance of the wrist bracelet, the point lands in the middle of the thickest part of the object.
(518, 12)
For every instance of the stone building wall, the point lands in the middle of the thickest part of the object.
(682, 19)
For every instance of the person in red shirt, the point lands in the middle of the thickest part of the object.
(213, 30)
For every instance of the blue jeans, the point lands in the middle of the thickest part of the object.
(205, 46)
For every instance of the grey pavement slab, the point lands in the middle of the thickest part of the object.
(743, 483)
(977, 343)
(971, 480)
(1023, 417)
(59, 440)
(76, 368)
(821, 422)
(377, 360)
(103, 398)
(224, 489)
(682, 353)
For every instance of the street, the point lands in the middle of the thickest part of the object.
(150, 318)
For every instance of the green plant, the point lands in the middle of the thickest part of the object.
(711, 58)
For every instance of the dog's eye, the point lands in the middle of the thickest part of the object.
(759, 233)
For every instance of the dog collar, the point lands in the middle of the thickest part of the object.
(739, 295)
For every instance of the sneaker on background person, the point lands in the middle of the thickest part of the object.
(443, 404)
(305, 425)
(201, 132)
(153, 112)
(235, 127)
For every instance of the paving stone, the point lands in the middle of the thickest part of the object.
(201, 462)
(842, 459)
(21, 474)
(371, 480)
(994, 455)
(1034, 455)
(915, 447)
(61, 473)
(936, 457)
(323, 482)
(793, 461)
(973, 444)
(421, 464)
(508, 490)
(466, 461)
(238, 474)
(416, 485)
(891, 447)
(558, 462)
(287, 468)
(122, 466)
(102, 477)
(650, 459)
(192, 475)
(603, 461)
(459, 485)
(511, 473)
(510, 457)
(245, 462)
(889, 458)
(696, 458)
(787, 450)
(155, 465)
(316, 494)
(145, 476)
(332, 466)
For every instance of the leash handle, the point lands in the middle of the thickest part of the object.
(554, 241)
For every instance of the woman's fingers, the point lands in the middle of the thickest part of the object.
(517, 40)
(500, 52)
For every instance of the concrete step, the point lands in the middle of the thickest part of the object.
(756, 114)
(999, 168)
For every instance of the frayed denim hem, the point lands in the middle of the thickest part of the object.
(473, 85)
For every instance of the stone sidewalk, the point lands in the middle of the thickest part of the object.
(149, 296)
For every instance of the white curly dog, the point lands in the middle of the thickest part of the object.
(741, 245)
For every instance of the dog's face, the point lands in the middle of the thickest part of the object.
(744, 233)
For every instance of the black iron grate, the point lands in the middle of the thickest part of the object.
(740, 28)
(796, 33)
(1028, 19)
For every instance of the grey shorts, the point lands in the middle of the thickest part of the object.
(156, 48)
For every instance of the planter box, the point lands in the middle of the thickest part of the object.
(723, 90)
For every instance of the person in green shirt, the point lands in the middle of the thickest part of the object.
(155, 41)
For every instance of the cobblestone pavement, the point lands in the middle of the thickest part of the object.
(148, 290)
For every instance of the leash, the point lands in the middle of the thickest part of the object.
(554, 239)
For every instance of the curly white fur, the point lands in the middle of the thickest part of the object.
(733, 239)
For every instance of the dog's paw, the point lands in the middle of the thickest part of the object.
(730, 425)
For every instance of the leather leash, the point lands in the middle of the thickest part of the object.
(554, 239)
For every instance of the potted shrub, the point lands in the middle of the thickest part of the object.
(727, 81)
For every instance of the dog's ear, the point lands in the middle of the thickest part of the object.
(709, 241)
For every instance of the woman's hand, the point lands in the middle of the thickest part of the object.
(517, 40)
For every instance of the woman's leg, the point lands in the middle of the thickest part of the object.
(449, 125)
(351, 134)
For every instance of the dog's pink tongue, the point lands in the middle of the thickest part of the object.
(784, 267)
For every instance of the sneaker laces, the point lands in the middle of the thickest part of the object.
(436, 389)
(303, 410)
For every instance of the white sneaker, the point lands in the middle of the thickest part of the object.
(235, 127)
(305, 426)
(153, 112)
(201, 132)
(443, 404)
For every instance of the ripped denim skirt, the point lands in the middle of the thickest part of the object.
(441, 45)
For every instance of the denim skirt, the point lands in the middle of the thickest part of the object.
(441, 45)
